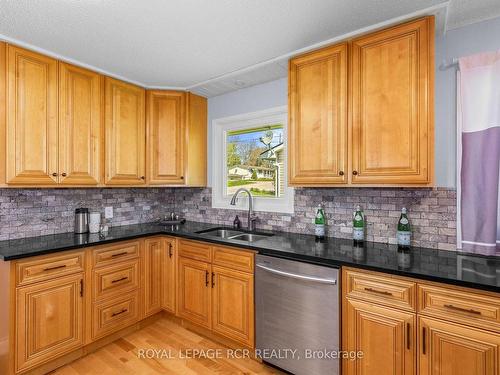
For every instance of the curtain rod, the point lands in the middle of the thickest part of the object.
(446, 65)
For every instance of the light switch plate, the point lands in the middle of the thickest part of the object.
(108, 212)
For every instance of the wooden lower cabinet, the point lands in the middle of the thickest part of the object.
(49, 320)
(153, 256)
(114, 314)
(195, 292)
(113, 281)
(385, 336)
(220, 298)
(450, 331)
(169, 275)
(454, 349)
(233, 307)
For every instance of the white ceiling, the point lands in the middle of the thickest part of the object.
(207, 46)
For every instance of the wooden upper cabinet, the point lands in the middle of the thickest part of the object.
(80, 126)
(3, 109)
(166, 119)
(125, 133)
(31, 136)
(453, 349)
(196, 135)
(392, 105)
(318, 117)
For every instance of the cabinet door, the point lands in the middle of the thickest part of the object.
(233, 305)
(49, 320)
(385, 336)
(392, 105)
(31, 144)
(195, 156)
(318, 117)
(80, 126)
(454, 349)
(169, 279)
(194, 291)
(153, 249)
(166, 120)
(125, 133)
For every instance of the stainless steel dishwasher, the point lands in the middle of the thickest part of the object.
(297, 315)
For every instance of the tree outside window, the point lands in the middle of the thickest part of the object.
(255, 160)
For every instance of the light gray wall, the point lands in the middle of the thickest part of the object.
(479, 37)
(251, 99)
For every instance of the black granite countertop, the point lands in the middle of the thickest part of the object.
(430, 264)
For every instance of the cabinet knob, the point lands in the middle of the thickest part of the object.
(54, 174)
(143, 178)
(64, 174)
(341, 173)
(182, 177)
(354, 173)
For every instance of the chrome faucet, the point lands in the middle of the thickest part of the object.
(251, 216)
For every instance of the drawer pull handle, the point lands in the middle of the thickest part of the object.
(384, 292)
(471, 311)
(119, 312)
(408, 341)
(54, 268)
(424, 340)
(119, 254)
(206, 278)
(213, 279)
(118, 280)
(170, 250)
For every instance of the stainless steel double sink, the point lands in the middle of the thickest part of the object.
(234, 234)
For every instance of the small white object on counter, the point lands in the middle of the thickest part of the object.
(94, 222)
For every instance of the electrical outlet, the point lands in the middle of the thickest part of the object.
(108, 212)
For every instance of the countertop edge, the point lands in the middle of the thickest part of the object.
(264, 251)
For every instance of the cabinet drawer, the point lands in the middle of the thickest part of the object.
(232, 258)
(386, 290)
(471, 308)
(118, 279)
(45, 268)
(115, 314)
(195, 250)
(111, 254)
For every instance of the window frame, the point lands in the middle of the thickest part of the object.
(220, 128)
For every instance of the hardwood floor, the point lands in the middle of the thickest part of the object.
(168, 338)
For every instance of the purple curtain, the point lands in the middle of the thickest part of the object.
(479, 153)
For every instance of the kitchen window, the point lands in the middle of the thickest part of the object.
(249, 151)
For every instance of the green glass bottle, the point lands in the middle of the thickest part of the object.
(358, 226)
(319, 224)
(404, 230)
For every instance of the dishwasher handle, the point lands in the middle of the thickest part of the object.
(295, 276)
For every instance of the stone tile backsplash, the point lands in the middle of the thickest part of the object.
(35, 212)
(432, 212)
